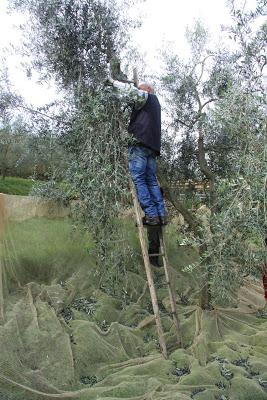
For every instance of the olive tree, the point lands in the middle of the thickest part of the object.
(217, 102)
(77, 43)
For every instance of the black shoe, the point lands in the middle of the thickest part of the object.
(163, 220)
(151, 221)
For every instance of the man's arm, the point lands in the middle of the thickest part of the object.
(130, 93)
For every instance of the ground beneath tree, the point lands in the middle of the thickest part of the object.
(64, 336)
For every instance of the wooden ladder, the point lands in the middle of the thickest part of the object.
(150, 279)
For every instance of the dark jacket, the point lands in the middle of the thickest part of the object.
(145, 124)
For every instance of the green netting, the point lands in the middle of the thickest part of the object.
(63, 336)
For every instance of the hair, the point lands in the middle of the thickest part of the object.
(148, 85)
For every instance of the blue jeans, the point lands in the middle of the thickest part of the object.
(142, 167)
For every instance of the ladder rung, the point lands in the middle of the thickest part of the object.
(158, 227)
(156, 254)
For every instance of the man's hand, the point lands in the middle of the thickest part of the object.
(109, 81)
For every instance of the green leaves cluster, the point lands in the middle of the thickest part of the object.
(73, 40)
(97, 143)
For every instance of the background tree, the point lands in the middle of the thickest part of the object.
(28, 136)
(13, 147)
(12, 138)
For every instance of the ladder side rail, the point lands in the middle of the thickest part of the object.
(170, 288)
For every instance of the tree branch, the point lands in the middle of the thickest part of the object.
(183, 123)
(202, 62)
(171, 195)
(207, 102)
(38, 112)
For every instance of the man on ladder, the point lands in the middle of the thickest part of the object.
(145, 129)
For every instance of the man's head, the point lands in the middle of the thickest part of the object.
(146, 87)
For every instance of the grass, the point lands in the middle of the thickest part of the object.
(15, 185)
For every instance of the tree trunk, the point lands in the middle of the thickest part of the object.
(203, 165)
(205, 297)
(205, 294)
(171, 196)
(194, 226)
